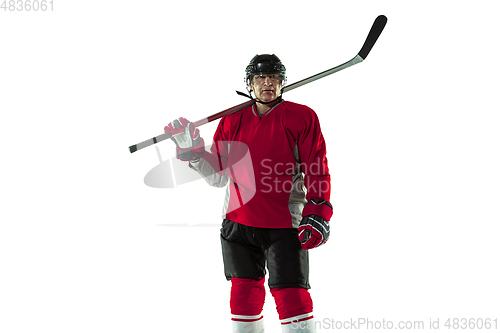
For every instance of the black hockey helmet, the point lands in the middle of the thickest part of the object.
(264, 64)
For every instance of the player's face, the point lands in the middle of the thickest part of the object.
(266, 87)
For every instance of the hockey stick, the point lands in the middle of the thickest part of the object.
(375, 31)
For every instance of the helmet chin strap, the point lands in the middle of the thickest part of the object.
(256, 100)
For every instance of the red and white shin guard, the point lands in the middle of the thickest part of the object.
(295, 309)
(247, 302)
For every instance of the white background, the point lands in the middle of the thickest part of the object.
(413, 147)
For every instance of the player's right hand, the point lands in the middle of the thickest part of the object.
(186, 137)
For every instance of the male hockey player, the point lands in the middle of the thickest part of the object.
(272, 213)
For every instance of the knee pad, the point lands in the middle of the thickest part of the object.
(293, 304)
(247, 299)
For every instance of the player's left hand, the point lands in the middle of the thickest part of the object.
(314, 229)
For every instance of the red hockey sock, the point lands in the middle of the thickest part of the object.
(293, 304)
(247, 299)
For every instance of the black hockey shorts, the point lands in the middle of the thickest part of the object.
(246, 250)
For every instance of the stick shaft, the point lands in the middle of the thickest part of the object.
(164, 136)
(357, 59)
(375, 31)
(149, 142)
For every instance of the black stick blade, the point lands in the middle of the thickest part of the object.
(373, 35)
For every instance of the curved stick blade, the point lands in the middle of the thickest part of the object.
(375, 31)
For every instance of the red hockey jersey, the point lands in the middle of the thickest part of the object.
(273, 164)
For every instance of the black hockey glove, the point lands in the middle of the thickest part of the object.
(314, 229)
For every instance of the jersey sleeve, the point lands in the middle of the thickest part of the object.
(313, 161)
(212, 165)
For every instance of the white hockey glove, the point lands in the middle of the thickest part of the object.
(187, 139)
